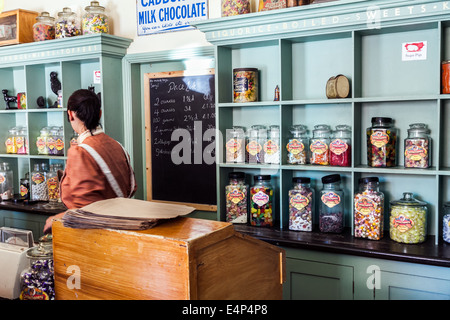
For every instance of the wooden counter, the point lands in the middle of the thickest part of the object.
(182, 258)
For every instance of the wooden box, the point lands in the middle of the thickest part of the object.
(182, 258)
(16, 26)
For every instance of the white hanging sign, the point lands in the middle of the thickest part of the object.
(157, 16)
(414, 51)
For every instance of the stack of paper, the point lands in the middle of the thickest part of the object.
(123, 213)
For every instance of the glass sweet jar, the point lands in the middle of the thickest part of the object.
(301, 205)
(382, 143)
(408, 219)
(6, 182)
(261, 201)
(417, 146)
(298, 145)
(235, 145)
(235, 7)
(340, 146)
(37, 281)
(331, 205)
(446, 223)
(236, 195)
(67, 24)
(94, 19)
(256, 138)
(44, 28)
(319, 145)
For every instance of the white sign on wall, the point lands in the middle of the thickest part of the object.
(414, 51)
(156, 16)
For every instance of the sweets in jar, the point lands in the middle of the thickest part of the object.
(261, 202)
(235, 7)
(382, 143)
(369, 209)
(44, 28)
(94, 19)
(66, 24)
(245, 84)
(319, 145)
(446, 223)
(235, 145)
(340, 146)
(301, 205)
(297, 146)
(417, 146)
(408, 220)
(256, 138)
(331, 205)
(236, 200)
(272, 146)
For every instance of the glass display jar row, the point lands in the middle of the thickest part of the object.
(45, 184)
(17, 141)
(51, 141)
(67, 24)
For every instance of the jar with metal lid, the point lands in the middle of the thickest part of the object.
(24, 189)
(446, 223)
(408, 219)
(256, 138)
(94, 19)
(369, 209)
(236, 198)
(331, 206)
(261, 201)
(272, 145)
(10, 142)
(44, 28)
(41, 141)
(301, 205)
(22, 141)
(382, 143)
(245, 84)
(319, 145)
(340, 146)
(6, 182)
(37, 281)
(298, 145)
(235, 7)
(418, 146)
(235, 145)
(39, 190)
(67, 24)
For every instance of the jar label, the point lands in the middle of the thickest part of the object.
(23, 190)
(402, 223)
(365, 205)
(40, 143)
(233, 145)
(10, 147)
(253, 148)
(260, 198)
(33, 294)
(241, 84)
(19, 142)
(338, 146)
(51, 143)
(37, 178)
(295, 147)
(379, 139)
(2, 179)
(318, 147)
(235, 196)
(59, 144)
(415, 153)
(270, 147)
(330, 199)
(299, 201)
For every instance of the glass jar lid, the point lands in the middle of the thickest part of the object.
(257, 130)
(262, 177)
(43, 250)
(301, 180)
(408, 200)
(321, 130)
(236, 175)
(45, 17)
(332, 178)
(67, 12)
(298, 129)
(418, 128)
(95, 6)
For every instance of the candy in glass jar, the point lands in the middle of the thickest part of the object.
(59, 143)
(41, 141)
(24, 189)
(340, 147)
(67, 24)
(272, 146)
(94, 20)
(6, 182)
(235, 145)
(236, 198)
(39, 191)
(446, 223)
(298, 145)
(44, 28)
(37, 281)
(22, 141)
(331, 205)
(245, 84)
(417, 146)
(408, 220)
(319, 145)
(382, 143)
(11, 142)
(256, 138)
(369, 209)
(51, 141)
(261, 202)
(235, 7)
(301, 205)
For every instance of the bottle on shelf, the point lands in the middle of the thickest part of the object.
(39, 190)
(331, 205)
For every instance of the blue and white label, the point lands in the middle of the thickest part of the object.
(157, 16)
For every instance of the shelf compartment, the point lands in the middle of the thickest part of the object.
(13, 80)
(8, 120)
(39, 84)
(39, 120)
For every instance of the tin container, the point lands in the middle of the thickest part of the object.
(245, 84)
(446, 77)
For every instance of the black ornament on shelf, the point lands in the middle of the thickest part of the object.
(40, 102)
(55, 84)
(8, 99)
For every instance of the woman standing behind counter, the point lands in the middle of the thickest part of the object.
(98, 168)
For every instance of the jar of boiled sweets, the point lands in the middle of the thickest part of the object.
(298, 145)
(272, 146)
(236, 198)
(59, 143)
(331, 205)
(235, 7)
(235, 145)
(417, 146)
(22, 141)
(24, 189)
(382, 143)
(319, 145)
(256, 138)
(408, 219)
(51, 141)
(41, 141)
(340, 146)
(446, 223)
(369, 209)
(37, 280)
(6, 182)
(261, 202)
(94, 19)
(39, 190)
(10, 142)
(44, 28)
(67, 24)
(301, 205)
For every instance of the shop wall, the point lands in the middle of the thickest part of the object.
(122, 14)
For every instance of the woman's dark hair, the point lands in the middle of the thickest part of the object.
(86, 105)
